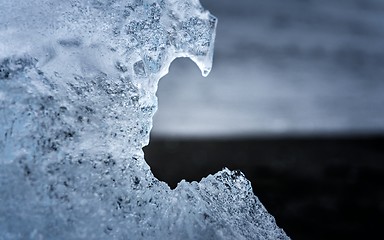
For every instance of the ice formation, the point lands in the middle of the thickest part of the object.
(77, 95)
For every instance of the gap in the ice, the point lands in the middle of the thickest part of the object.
(170, 147)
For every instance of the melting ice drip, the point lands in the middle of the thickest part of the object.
(77, 95)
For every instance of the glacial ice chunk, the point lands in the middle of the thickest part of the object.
(77, 94)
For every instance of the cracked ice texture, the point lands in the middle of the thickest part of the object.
(77, 95)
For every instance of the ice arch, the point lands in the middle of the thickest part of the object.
(77, 95)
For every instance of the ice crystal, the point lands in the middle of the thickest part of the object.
(77, 95)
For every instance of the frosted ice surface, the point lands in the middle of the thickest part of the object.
(77, 95)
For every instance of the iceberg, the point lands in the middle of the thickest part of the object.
(78, 83)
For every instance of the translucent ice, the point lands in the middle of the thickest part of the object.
(77, 95)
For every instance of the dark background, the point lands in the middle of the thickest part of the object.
(316, 187)
(295, 101)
